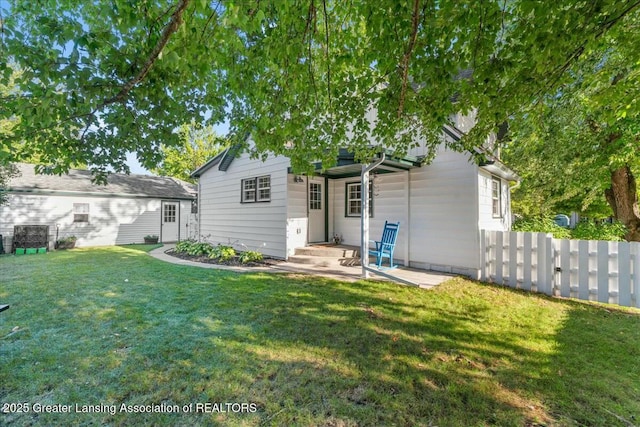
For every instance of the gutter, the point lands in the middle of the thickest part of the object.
(94, 194)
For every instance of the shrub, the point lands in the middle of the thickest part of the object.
(68, 239)
(589, 230)
(541, 225)
(222, 253)
(183, 245)
(194, 248)
(250, 256)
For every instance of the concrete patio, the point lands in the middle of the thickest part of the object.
(341, 270)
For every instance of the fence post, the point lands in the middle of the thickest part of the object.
(526, 261)
(513, 259)
(545, 264)
(565, 268)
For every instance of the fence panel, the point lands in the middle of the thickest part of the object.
(601, 271)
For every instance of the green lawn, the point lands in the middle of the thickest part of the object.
(113, 326)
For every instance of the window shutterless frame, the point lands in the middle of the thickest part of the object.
(81, 212)
(496, 197)
(257, 189)
(353, 199)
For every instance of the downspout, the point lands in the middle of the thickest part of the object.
(364, 214)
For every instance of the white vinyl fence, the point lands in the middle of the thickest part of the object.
(585, 269)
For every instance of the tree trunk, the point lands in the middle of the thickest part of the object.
(623, 199)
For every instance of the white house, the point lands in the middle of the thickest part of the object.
(123, 211)
(441, 206)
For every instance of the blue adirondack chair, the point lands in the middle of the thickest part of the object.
(386, 245)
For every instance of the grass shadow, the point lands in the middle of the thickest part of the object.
(115, 326)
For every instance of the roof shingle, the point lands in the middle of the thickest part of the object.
(79, 181)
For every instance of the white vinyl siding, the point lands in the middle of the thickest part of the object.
(113, 220)
(389, 202)
(444, 215)
(442, 233)
(486, 203)
(297, 220)
(255, 226)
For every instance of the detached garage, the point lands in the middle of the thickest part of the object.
(125, 210)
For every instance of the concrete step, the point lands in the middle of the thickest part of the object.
(323, 261)
(341, 251)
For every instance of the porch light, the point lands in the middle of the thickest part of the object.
(298, 179)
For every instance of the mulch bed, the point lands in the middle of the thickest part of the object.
(235, 262)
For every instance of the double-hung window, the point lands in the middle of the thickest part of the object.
(353, 205)
(256, 189)
(81, 212)
(496, 197)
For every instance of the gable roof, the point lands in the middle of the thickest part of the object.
(222, 159)
(78, 181)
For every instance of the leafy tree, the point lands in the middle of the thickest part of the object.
(102, 78)
(198, 144)
(577, 150)
(7, 171)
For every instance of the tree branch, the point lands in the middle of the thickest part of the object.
(407, 54)
(172, 27)
(559, 71)
(311, 17)
(326, 30)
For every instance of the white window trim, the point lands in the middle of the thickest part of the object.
(496, 198)
(81, 208)
(260, 187)
(347, 211)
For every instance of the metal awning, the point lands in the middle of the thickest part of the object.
(346, 165)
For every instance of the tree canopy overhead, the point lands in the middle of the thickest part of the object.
(94, 80)
(578, 147)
